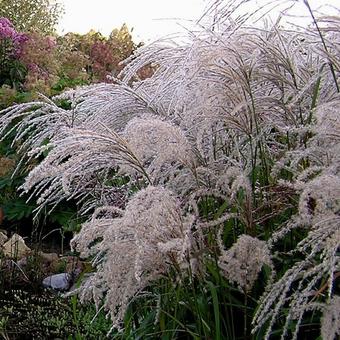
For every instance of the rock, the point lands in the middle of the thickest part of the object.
(59, 282)
(15, 247)
(3, 238)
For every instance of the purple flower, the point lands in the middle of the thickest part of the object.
(13, 39)
(19, 42)
(7, 30)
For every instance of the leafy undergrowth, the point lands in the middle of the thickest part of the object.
(45, 315)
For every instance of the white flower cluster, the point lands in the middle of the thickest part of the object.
(330, 326)
(134, 248)
(244, 260)
(159, 145)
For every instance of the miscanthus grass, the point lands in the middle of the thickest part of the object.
(212, 188)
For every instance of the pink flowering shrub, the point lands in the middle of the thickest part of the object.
(11, 43)
(103, 62)
(7, 30)
(38, 54)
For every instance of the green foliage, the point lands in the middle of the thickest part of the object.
(32, 15)
(13, 74)
(10, 96)
(89, 322)
(66, 82)
(42, 315)
(207, 308)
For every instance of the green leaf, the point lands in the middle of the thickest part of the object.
(214, 295)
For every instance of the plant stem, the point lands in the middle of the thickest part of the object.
(245, 316)
(324, 44)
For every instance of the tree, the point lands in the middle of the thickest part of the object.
(121, 40)
(103, 55)
(32, 15)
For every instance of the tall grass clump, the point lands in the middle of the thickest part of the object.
(212, 188)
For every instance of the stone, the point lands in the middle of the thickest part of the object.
(3, 238)
(60, 282)
(16, 247)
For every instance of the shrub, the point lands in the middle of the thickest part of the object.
(12, 72)
(39, 57)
